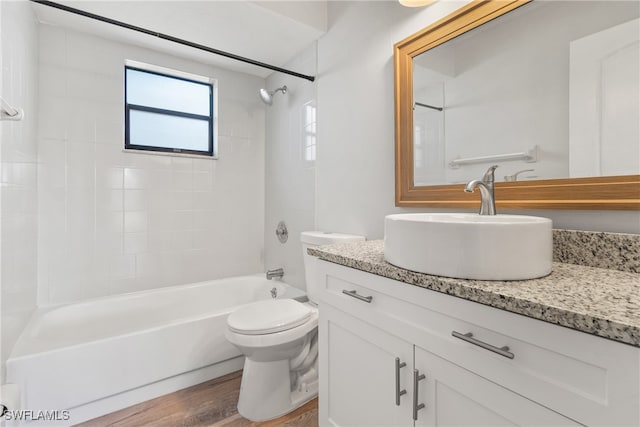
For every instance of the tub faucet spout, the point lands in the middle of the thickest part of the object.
(277, 273)
(487, 197)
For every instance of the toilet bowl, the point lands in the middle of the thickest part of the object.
(279, 338)
(280, 346)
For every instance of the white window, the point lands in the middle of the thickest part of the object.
(309, 132)
(169, 111)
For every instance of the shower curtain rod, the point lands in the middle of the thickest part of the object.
(429, 106)
(172, 39)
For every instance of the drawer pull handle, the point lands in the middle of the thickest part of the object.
(355, 295)
(468, 337)
(398, 391)
(416, 407)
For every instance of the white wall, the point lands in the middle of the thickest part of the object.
(18, 154)
(355, 166)
(113, 222)
(290, 174)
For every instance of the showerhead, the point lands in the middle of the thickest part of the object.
(267, 96)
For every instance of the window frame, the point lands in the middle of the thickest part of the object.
(211, 151)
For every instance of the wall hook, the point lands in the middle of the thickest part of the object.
(7, 112)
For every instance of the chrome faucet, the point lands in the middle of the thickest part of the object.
(277, 273)
(487, 197)
(514, 177)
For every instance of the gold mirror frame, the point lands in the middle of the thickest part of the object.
(598, 193)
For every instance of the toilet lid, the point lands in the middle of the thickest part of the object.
(268, 317)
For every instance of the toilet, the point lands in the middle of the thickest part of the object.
(279, 338)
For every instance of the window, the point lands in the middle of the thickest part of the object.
(169, 111)
(309, 130)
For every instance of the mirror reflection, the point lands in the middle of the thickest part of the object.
(562, 105)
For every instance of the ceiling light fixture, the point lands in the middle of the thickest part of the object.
(416, 3)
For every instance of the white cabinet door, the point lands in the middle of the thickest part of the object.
(358, 373)
(454, 396)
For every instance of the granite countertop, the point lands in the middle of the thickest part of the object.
(594, 300)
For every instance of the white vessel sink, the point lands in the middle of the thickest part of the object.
(470, 246)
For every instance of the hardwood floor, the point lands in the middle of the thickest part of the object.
(211, 404)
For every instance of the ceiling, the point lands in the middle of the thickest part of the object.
(272, 32)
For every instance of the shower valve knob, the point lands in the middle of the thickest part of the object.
(282, 232)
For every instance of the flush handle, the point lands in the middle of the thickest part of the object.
(355, 295)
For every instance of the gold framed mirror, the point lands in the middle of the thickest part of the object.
(596, 193)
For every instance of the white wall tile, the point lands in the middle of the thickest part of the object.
(19, 173)
(135, 178)
(52, 44)
(53, 80)
(108, 89)
(202, 238)
(290, 181)
(160, 240)
(160, 177)
(182, 220)
(80, 163)
(82, 124)
(135, 222)
(135, 243)
(111, 222)
(206, 200)
(53, 115)
(108, 200)
(182, 180)
(110, 177)
(136, 215)
(135, 200)
(181, 240)
(109, 129)
(203, 219)
(159, 202)
(122, 266)
(181, 164)
(108, 243)
(181, 200)
(81, 84)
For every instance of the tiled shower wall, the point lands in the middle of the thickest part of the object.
(113, 222)
(290, 166)
(19, 38)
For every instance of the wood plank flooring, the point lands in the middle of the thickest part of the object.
(212, 403)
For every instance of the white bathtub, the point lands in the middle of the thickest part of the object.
(104, 354)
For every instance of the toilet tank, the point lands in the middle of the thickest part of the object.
(318, 238)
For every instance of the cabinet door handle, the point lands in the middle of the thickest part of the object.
(416, 407)
(468, 337)
(354, 294)
(398, 391)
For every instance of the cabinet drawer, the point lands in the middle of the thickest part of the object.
(589, 379)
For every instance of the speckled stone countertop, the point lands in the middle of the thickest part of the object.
(598, 301)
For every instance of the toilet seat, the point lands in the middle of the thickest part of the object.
(269, 317)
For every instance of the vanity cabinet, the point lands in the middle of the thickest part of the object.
(454, 396)
(362, 363)
(378, 342)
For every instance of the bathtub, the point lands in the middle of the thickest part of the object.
(104, 354)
